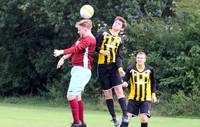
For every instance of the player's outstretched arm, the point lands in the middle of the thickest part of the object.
(62, 60)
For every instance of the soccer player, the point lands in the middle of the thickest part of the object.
(82, 53)
(142, 90)
(109, 48)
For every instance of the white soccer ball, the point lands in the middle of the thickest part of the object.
(86, 11)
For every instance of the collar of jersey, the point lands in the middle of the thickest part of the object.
(110, 30)
(140, 69)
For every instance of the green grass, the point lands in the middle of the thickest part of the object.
(23, 115)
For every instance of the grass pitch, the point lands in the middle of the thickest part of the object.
(21, 115)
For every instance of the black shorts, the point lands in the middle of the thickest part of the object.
(109, 76)
(139, 107)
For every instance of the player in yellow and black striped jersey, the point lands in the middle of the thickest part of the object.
(142, 89)
(109, 47)
(142, 83)
(111, 42)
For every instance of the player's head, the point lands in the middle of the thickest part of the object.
(140, 58)
(119, 23)
(83, 26)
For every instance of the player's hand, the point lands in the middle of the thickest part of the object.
(58, 52)
(154, 99)
(122, 73)
(124, 84)
(106, 53)
(60, 62)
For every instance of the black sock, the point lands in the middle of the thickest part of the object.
(122, 102)
(124, 124)
(111, 109)
(144, 124)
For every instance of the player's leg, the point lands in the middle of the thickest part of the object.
(81, 111)
(144, 113)
(104, 79)
(110, 103)
(116, 82)
(71, 97)
(84, 77)
(110, 106)
(132, 111)
(144, 120)
(73, 102)
(121, 99)
(79, 79)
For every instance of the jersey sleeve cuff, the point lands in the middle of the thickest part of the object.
(120, 69)
(153, 94)
(101, 51)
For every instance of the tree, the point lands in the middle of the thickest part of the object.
(30, 30)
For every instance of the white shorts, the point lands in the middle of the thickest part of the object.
(80, 76)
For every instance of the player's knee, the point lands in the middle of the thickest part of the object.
(129, 116)
(108, 94)
(69, 97)
(143, 118)
(119, 92)
(79, 98)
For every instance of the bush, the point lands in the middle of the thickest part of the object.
(178, 104)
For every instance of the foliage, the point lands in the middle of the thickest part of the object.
(30, 30)
(178, 104)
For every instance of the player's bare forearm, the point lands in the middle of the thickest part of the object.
(66, 56)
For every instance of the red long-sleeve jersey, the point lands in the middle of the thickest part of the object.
(82, 52)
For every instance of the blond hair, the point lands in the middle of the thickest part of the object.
(124, 23)
(87, 23)
(141, 53)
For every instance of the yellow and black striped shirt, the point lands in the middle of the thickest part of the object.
(142, 83)
(113, 43)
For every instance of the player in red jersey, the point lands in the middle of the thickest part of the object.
(82, 54)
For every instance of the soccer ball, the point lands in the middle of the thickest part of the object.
(86, 11)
